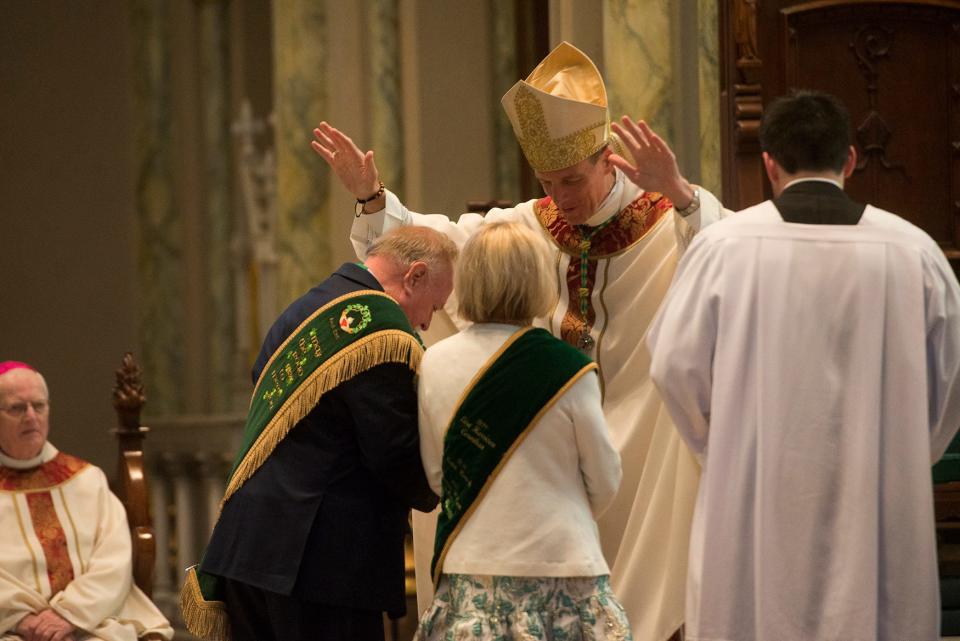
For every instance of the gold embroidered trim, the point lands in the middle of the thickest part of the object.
(553, 311)
(336, 301)
(26, 542)
(603, 331)
(632, 224)
(483, 370)
(73, 526)
(549, 154)
(52, 474)
(387, 346)
(503, 461)
(53, 540)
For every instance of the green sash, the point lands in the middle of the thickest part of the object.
(506, 398)
(345, 337)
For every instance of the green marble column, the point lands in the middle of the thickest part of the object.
(504, 66)
(160, 225)
(302, 182)
(709, 68)
(218, 208)
(638, 69)
(383, 89)
(650, 51)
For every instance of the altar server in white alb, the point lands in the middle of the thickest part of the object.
(65, 555)
(809, 353)
(616, 224)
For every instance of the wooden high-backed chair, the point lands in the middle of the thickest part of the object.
(128, 401)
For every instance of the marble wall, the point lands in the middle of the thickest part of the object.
(504, 75)
(660, 64)
(184, 205)
(709, 93)
(418, 82)
(300, 98)
(385, 111)
(159, 218)
(637, 63)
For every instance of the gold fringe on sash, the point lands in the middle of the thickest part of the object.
(387, 346)
(205, 619)
(208, 619)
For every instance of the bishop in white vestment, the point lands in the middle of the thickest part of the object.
(614, 248)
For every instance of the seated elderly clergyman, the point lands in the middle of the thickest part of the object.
(65, 550)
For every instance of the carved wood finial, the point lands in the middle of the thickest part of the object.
(745, 30)
(128, 395)
(748, 63)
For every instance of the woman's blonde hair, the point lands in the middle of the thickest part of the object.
(504, 275)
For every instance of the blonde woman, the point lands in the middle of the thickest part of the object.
(514, 441)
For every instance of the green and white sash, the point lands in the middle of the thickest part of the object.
(506, 398)
(345, 337)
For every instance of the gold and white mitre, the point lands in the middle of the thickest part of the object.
(559, 113)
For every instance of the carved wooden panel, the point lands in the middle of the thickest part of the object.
(891, 65)
(896, 65)
(741, 93)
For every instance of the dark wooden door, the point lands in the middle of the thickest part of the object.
(896, 65)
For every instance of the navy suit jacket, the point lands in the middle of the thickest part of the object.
(324, 518)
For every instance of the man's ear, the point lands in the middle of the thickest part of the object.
(772, 169)
(851, 162)
(605, 159)
(416, 275)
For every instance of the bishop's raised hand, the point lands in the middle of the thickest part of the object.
(355, 169)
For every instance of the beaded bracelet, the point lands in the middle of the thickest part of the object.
(363, 201)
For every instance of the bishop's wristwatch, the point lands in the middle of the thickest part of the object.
(694, 204)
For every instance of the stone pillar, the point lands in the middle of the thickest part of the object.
(637, 68)
(219, 327)
(300, 69)
(214, 467)
(505, 73)
(164, 581)
(167, 577)
(660, 64)
(159, 219)
(709, 77)
(181, 471)
(383, 87)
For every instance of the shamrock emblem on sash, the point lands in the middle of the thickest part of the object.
(355, 318)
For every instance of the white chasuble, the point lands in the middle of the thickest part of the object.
(630, 262)
(65, 545)
(815, 370)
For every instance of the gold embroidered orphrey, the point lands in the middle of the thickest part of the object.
(549, 154)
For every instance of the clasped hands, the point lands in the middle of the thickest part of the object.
(45, 625)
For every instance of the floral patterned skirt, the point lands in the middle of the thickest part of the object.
(499, 608)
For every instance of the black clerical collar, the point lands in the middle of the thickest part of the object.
(817, 202)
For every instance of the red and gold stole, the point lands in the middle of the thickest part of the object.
(627, 228)
(37, 484)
